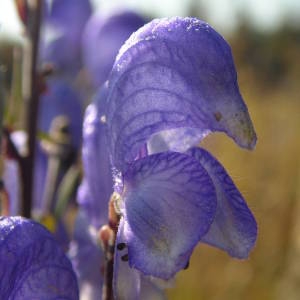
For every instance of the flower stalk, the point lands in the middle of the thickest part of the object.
(31, 91)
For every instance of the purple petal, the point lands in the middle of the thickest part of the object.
(234, 228)
(102, 39)
(32, 265)
(169, 205)
(126, 280)
(97, 187)
(174, 73)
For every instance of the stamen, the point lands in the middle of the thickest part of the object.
(124, 257)
(121, 246)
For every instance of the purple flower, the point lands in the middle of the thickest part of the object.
(173, 82)
(61, 37)
(32, 265)
(176, 76)
(102, 39)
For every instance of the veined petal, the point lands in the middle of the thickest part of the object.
(126, 280)
(234, 228)
(32, 265)
(98, 185)
(170, 203)
(174, 73)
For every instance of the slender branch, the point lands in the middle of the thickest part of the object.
(31, 98)
(107, 237)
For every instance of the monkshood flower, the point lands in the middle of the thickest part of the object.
(62, 32)
(173, 82)
(103, 37)
(32, 265)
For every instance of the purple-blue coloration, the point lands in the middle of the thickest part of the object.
(94, 194)
(170, 203)
(102, 39)
(69, 14)
(63, 27)
(173, 82)
(32, 265)
(174, 73)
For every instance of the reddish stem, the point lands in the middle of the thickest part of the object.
(107, 235)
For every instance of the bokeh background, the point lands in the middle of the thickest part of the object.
(265, 40)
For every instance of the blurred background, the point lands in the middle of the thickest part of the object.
(265, 40)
